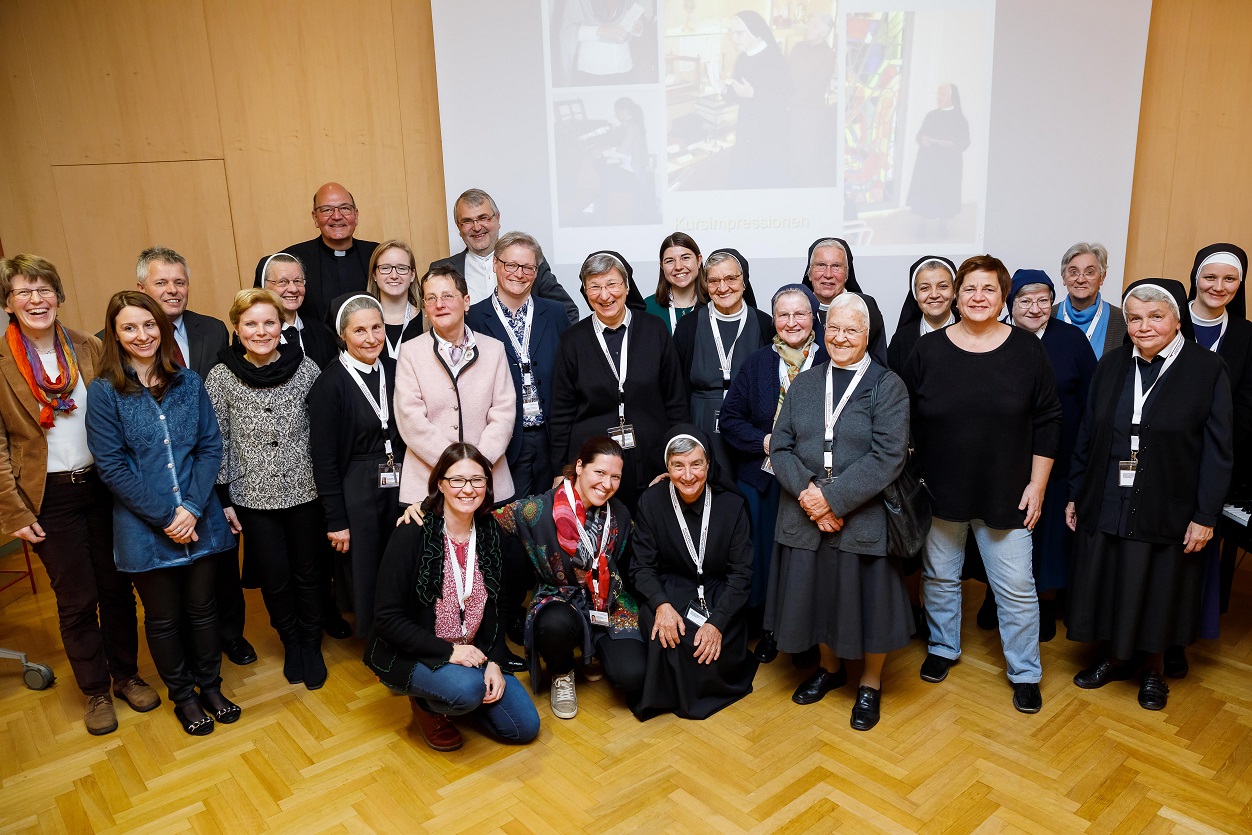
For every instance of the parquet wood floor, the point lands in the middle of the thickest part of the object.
(953, 757)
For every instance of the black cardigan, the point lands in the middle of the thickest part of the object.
(410, 579)
(1184, 446)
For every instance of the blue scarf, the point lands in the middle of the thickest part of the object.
(1082, 319)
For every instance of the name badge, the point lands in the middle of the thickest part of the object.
(599, 618)
(530, 407)
(624, 434)
(717, 421)
(389, 475)
(766, 467)
(696, 616)
(1126, 473)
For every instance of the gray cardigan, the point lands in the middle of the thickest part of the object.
(869, 453)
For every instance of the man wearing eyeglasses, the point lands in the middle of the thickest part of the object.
(478, 223)
(335, 262)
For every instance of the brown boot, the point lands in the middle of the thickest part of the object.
(437, 729)
(100, 717)
(137, 693)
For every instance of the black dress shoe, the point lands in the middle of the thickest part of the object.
(513, 663)
(1101, 674)
(935, 668)
(807, 658)
(819, 684)
(1153, 692)
(865, 711)
(988, 613)
(239, 651)
(1176, 665)
(1027, 698)
(766, 648)
(337, 627)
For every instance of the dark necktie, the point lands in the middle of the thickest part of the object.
(178, 354)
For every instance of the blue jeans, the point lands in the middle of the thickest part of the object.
(1007, 556)
(454, 690)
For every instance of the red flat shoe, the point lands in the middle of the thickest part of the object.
(437, 729)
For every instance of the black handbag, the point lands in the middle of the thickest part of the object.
(907, 502)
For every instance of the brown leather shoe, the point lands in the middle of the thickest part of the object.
(136, 693)
(100, 717)
(437, 729)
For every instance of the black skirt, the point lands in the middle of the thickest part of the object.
(372, 514)
(854, 604)
(1138, 596)
(674, 682)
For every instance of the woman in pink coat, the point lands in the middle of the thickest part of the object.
(452, 385)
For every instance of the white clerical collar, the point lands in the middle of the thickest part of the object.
(353, 362)
(297, 323)
(482, 259)
(1173, 347)
(729, 317)
(1197, 319)
(600, 327)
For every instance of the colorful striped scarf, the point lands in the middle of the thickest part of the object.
(51, 394)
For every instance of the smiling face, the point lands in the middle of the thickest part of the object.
(607, 295)
(933, 290)
(1151, 325)
(364, 335)
(793, 319)
(138, 334)
(286, 278)
(1083, 278)
(725, 280)
(847, 336)
(37, 313)
(687, 472)
(516, 269)
(479, 226)
(680, 266)
(828, 270)
(168, 284)
(334, 215)
(1032, 308)
(259, 329)
(979, 298)
(390, 282)
(464, 500)
(598, 480)
(1216, 286)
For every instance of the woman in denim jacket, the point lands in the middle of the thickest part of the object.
(157, 446)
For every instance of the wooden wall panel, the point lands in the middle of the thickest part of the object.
(30, 215)
(112, 212)
(1192, 169)
(307, 93)
(123, 81)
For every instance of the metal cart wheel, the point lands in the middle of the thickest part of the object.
(38, 676)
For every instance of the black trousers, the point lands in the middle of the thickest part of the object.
(283, 549)
(229, 594)
(532, 470)
(558, 632)
(180, 620)
(78, 556)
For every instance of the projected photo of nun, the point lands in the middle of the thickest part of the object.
(597, 42)
(935, 193)
(761, 85)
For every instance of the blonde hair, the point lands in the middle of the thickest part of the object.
(245, 299)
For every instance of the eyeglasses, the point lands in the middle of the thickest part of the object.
(25, 294)
(344, 209)
(1027, 304)
(284, 283)
(731, 281)
(608, 286)
(527, 270)
(398, 269)
(457, 482)
(802, 316)
(827, 268)
(1074, 272)
(467, 222)
(838, 333)
(446, 298)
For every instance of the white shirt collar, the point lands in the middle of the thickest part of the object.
(732, 317)
(355, 363)
(1175, 344)
(443, 343)
(601, 327)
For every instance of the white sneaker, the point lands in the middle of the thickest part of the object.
(564, 699)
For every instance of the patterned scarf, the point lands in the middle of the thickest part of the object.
(567, 519)
(794, 358)
(51, 394)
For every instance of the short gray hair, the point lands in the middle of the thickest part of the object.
(599, 264)
(825, 242)
(279, 258)
(474, 197)
(1152, 293)
(681, 446)
(1096, 249)
(354, 305)
(788, 292)
(160, 255)
(1034, 288)
(853, 301)
(509, 239)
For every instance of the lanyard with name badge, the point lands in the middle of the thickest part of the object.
(599, 616)
(1126, 470)
(696, 614)
(464, 587)
(393, 351)
(723, 356)
(833, 411)
(389, 473)
(530, 392)
(623, 433)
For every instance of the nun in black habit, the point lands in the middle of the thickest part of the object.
(693, 579)
(761, 86)
(877, 325)
(935, 191)
(587, 398)
(714, 359)
(928, 286)
(355, 446)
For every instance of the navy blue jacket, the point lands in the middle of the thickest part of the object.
(154, 457)
(748, 412)
(546, 327)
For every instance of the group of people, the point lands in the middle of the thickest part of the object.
(457, 458)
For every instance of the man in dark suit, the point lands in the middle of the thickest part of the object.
(162, 273)
(478, 222)
(335, 262)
